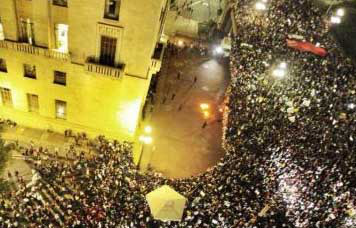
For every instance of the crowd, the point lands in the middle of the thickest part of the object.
(290, 146)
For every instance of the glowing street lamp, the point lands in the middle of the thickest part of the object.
(204, 106)
(340, 12)
(281, 71)
(336, 18)
(351, 106)
(148, 129)
(261, 6)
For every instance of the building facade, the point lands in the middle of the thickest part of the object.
(80, 65)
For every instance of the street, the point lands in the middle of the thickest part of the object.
(184, 145)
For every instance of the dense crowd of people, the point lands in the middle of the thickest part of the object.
(290, 146)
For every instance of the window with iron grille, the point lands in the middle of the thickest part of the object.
(26, 31)
(29, 71)
(112, 8)
(60, 3)
(107, 50)
(60, 78)
(6, 97)
(3, 67)
(61, 109)
(32, 100)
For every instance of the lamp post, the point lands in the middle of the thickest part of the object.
(145, 139)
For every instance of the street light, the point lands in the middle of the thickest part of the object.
(281, 71)
(261, 5)
(340, 12)
(351, 106)
(336, 18)
(145, 139)
(204, 106)
(148, 129)
(219, 50)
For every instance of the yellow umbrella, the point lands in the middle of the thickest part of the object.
(166, 204)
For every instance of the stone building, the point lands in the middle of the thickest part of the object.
(80, 65)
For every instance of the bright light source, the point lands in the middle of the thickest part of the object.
(206, 114)
(351, 106)
(260, 6)
(148, 129)
(279, 73)
(265, 1)
(149, 140)
(340, 12)
(180, 43)
(146, 139)
(204, 106)
(283, 65)
(335, 19)
(219, 50)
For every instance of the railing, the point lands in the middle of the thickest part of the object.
(92, 66)
(34, 50)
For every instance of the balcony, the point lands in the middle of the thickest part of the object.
(157, 57)
(94, 66)
(34, 50)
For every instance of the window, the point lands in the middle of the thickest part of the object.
(26, 31)
(6, 97)
(3, 67)
(112, 8)
(60, 3)
(60, 78)
(32, 101)
(2, 35)
(108, 50)
(61, 109)
(29, 71)
(61, 34)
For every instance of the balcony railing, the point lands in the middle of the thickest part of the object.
(93, 66)
(34, 50)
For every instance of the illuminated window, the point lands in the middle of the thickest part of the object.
(29, 71)
(32, 101)
(2, 35)
(108, 50)
(61, 33)
(60, 78)
(112, 8)
(61, 109)
(3, 67)
(6, 97)
(60, 3)
(26, 31)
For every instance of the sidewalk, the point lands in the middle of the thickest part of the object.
(29, 136)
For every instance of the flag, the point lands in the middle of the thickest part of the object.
(306, 46)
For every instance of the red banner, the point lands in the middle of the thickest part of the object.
(306, 46)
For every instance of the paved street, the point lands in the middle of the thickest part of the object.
(182, 147)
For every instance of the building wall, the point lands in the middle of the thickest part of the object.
(96, 103)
